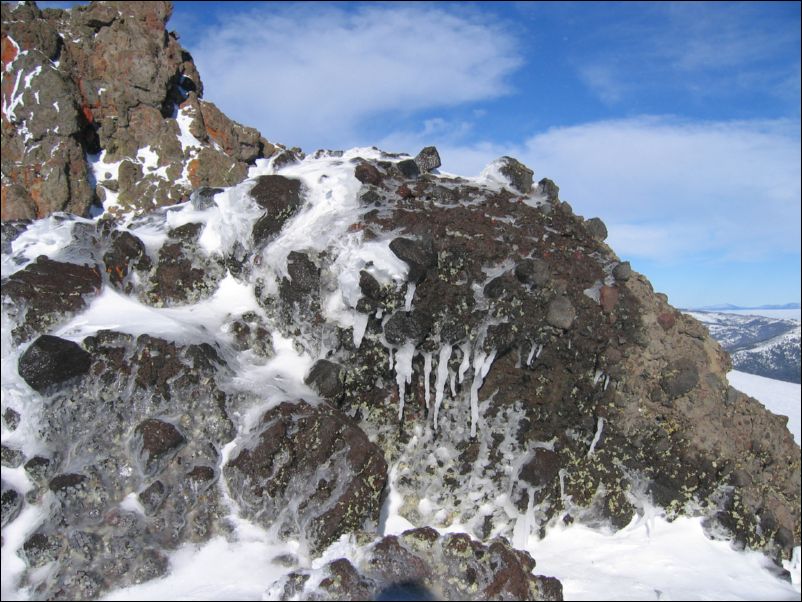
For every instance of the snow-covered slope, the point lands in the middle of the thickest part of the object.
(759, 344)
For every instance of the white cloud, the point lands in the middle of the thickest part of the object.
(315, 73)
(669, 190)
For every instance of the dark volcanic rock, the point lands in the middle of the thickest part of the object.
(280, 197)
(326, 378)
(542, 468)
(126, 252)
(405, 327)
(679, 377)
(50, 361)
(183, 272)
(10, 504)
(408, 168)
(419, 255)
(46, 291)
(159, 442)
(310, 470)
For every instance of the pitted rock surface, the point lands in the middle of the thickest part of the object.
(315, 455)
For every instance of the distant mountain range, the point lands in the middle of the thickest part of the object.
(730, 306)
(759, 345)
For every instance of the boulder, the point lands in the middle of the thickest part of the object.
(596, 228)
(561, 313)
(368, 174)
(419, 255)
(326, 378)
(408, 168)
(622, 271)
(50, 361)
(518, 174)
(311, 472)
(280, 197)
(428, 159)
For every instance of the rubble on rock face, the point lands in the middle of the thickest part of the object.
(420, 564)
(102, 106)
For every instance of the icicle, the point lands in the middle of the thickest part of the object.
(597, 377)
(391, 358)
(466, 360)
(481, 366)
(408, 297)
(403, 373)
(452, 381)
(597, 436)
(539, 351)
(523, 525)
(427, 370)
(360, 325)
(531, 354)
(606, 382)
(440, 381)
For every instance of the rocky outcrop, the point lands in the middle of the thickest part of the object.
(102, 106)
(420, 564)
(131, 432)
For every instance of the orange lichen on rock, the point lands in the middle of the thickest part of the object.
(8, 50)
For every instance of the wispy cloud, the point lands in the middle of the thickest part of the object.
(316, 73)
(703, 49)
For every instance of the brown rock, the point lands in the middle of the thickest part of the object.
(294, 443)
(667, 319)
(608, 298)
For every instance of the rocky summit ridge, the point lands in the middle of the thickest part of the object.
(313, 343)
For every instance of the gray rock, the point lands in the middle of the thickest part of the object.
(203, 197)
(549, 189)
(596, 228)
(533, 272)
(428, 159)
(622, 271)
(326, 378)
(561, 313)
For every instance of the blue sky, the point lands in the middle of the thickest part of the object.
(676, 123)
